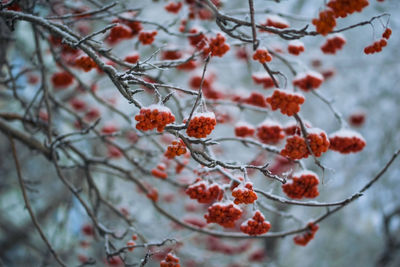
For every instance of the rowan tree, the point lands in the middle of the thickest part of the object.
(199, 133)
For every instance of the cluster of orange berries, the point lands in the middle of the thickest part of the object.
(276, 22)
(318, 141)
(303, 185)
(217, 46)
(288, 103)
(256, 99)
(118, 33)
(255, 226)
(78, 104)
(154, 116)
(346, 141)
(147, 38)
(309, 80)
(131, 243)
(296, 47)
(342, 8)
(326, 22)
(296, 146)
(190, 65)
(171, 54)
(159, 171)
(177, 148)
(261, 55)
(303, 239)
(201, 125)
(377, 46)
(291, 128)
(85, 62)
(170, 261)
(198, 39)
(173, 7)
(133, 58)
(333, 44)
(224, 214)
(135, 26)
(336, 8)
(244, 194)
(62, 79)
(244, 129)
(205, 193)
(152, 193)
(270, 132)
(263, 79)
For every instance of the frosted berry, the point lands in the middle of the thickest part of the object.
(256, 225)
(244, 194)
(309, 80)
(244, 129)
(205, 192)
(224, 214)
(270, 132)
(154, 116)
(302, 185)
(288, 103)
(346, 141)
(201, 124)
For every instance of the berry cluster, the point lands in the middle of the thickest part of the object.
(177, 148)
(255, 226)
(261, 55)
(201, 125)
(133, 58)
(147, 38)
(295, 148)
(270, 132)
(346, 141)
(171, 54)
(85, 63)
(118, 33)
(357, 119)
(276, 22)
(256, 99)
(375, 47)
(386, 34)
(152, 194)
(130, 245)
(264, 79)
(326, 22)
(309, 80)
(159, 171)
(319, 142)
(197, 39)
(62, 79)
(217, 46)
(190, 65)
(135, 26)
(224, 214)
(303, 239)
(170, 261)
(244, 194)
(205, 193)
(296, 47)
(303, 185)
(333, 44)
(154, 116)
(173, 7)
(342, 8)
(288, 103)
(244, 129)
(78, 104)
